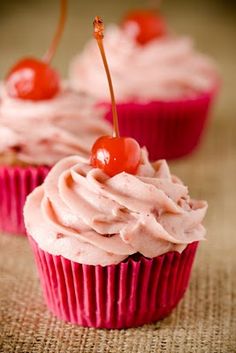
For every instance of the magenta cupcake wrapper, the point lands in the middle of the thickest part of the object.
(129, 294)
(15, 184)
(168, 129)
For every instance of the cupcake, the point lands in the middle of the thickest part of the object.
(114, 236)
(113, 252)
(41, 121)
(33, 137)
(164, 87)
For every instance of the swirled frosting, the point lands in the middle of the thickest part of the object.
(43, 132)
(88, 217)
(164, 69)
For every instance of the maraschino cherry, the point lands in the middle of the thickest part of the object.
(34, 79)
(150, 25)
(113, 154)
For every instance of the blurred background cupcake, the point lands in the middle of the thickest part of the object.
(33, 137)
(164, 87)
(41, 121)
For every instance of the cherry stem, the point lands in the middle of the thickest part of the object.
(48, 56)
(155, 4)
(99, 35)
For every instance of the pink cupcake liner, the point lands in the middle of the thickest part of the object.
(168, 129)
(130, 294)
(15, 184)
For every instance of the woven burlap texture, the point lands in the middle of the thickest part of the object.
(205, 320)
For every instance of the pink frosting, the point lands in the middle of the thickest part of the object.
(43, 132)
(165, 69)
(88, 217)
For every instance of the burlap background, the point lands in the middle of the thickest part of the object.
(205, 321)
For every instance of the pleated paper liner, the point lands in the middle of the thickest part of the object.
(168, 129)
(15, 184)
(129, 294)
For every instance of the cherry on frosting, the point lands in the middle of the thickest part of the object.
(150, 24)
(116, 154)
(113, 154)
(34, 79)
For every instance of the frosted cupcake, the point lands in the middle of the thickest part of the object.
(113, 252)
(164, 87)
(114, 236)
(33, 137)
(41, 121)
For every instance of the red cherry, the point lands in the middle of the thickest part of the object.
(32, 79)
(115, 155)
(35, 79)
(149, 23)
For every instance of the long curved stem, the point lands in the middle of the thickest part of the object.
(154, 4)
(98, 34)
(48, 56)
